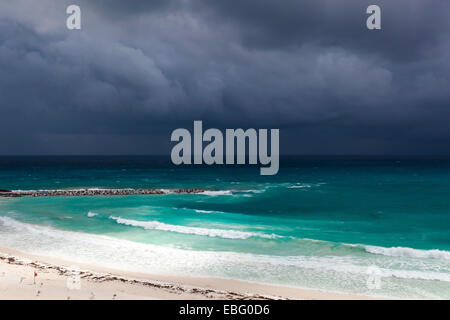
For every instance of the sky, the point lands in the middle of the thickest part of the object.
(137, 70)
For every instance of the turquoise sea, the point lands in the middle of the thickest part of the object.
(330, 223)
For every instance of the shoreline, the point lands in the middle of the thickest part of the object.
(17, 272)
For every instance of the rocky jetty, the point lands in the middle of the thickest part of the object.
(93, 192)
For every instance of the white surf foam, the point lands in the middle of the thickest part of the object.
(207, 211)
(203, 211)
(251, 191)
(300, 186)
(217, 193)
(220, 233)
(92, 214)
(409, 252)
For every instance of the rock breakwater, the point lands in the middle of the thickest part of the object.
(94, 192)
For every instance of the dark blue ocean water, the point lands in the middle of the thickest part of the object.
(321, 223)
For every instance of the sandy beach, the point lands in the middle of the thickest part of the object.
(56, 280)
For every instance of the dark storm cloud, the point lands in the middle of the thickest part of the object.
(136, 72)
(124, 9)
(409, 27)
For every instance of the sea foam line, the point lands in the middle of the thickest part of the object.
(220, 233)
(207, 211)
(409, 252)
(217, 193)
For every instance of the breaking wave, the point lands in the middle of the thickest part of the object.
(409, 252)
(217, 193)
(92, 214)
(220, 233)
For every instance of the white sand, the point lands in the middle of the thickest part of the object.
(17, 272)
